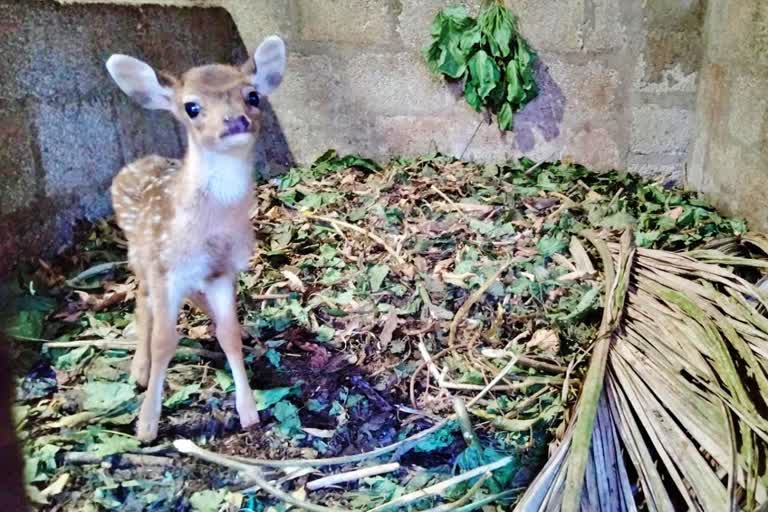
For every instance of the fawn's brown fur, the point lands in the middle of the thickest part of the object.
(187, 222)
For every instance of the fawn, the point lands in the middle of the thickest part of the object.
(187, 221)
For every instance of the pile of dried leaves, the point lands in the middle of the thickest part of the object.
(427, 325)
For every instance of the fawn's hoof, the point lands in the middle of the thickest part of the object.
(146, 431)
(140, 373)
(249, 416)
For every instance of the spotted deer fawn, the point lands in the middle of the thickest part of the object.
(187, 221)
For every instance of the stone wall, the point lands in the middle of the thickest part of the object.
(730, 157)
(66, 127)
(618, 90)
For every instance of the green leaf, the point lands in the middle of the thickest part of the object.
(345, 297)
(619, 220)
(377, 274)
(470, 94)
(182, 396)
(224, 380)
(208, 500)
(549, 246)
(109, 444)
(102, 397)
(288, 416)
(325, 333)
(26, 324)
(515, 91)
(646, 238)
(266, 398)
(443, 438)
(497, 26)
(72, 358)
(505, 117)
(273, 356)
(41, 464)
(585, 304)
(484, 73)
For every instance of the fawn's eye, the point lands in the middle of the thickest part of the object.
(192, 108)
(252, 98)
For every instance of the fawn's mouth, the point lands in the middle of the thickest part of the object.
(237, 126)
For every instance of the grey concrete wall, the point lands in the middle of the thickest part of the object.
(730, 157)
(618, 81)
(618, 90)
(66, 129)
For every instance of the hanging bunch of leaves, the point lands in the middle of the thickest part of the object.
(488, 55)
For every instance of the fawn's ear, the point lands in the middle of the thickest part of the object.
(138, 80)
(269, 61)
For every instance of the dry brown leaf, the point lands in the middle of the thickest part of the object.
(544, 341)
(390, 324)
(294, 283)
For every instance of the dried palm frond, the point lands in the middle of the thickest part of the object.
(673, 412)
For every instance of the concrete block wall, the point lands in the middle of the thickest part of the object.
(618, 80)
(66, 127)
(730, 157)
(618, 90)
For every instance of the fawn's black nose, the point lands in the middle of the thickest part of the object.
(236, 125)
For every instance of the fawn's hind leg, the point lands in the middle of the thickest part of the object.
(141, 358)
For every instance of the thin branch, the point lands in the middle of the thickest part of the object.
(437, 489)
(362, 231)
(351, 476)
(253, 473)
(125, 459)
(471, 300)
(464, 499)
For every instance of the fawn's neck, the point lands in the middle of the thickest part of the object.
(226, 178)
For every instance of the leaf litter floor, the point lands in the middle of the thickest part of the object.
(363, 272)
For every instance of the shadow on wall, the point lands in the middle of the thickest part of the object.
(544, 113)
(277, 154)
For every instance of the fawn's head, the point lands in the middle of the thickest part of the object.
(218, 104)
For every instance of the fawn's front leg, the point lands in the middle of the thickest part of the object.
(220, 299)
(165, 303)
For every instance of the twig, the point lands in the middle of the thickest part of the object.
(253, 473)
(464, 499)
(522, 406)
(469, 142)
(451, 202)
(528, 362)
(124, 459)
(504, 371)
(127, 345)
(540, 163)
(418, 412)
(131, 345)
(362, 231)
(467, 432)
(415, 374)
(93, 271)
(347, 459)
(270, 296)
(428, 359)
(471, 300)
(351, 476)
(436, 489)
